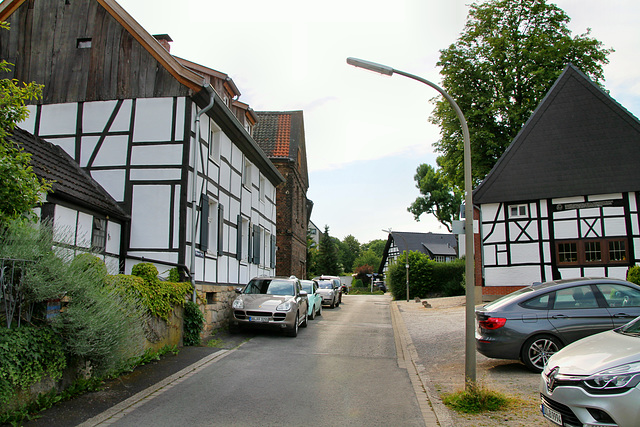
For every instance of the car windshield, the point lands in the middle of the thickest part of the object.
(631, 328)
(325, 284)
(270, 287)
(307, 287)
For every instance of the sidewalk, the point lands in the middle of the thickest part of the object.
(75, 411)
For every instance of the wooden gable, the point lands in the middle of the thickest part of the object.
(88, 50)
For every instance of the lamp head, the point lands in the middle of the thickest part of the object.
(371, 66)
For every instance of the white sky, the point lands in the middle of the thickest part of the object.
(365, 133)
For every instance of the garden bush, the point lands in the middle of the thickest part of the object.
(193, 323)
(633, 275)
(427, 278)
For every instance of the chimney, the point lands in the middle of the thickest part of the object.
(164, 40)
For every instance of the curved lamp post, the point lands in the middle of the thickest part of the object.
(406, 257)
(470, 347)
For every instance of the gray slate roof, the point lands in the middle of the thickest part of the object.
(579, 141)
(71, 182)
(432, 244)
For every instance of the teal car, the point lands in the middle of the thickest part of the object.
(315, 300)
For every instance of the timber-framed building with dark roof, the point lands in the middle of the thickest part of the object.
(440, 247)
(281, 136)
(166, 138)
(563, 200)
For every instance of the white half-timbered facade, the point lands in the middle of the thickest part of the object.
(129, 113)
(562, 202)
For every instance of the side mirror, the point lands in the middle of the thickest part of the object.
(238, 290)
(303, 293)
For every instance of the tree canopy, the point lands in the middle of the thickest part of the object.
(498, 71)
(327, 258)
(437, 196)
(21, 190)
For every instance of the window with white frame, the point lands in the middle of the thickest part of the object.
(214, 142)
(99, 234)
(246, 173)
(263, 188)
(518, 211)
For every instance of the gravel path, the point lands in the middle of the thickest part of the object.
(438, 337)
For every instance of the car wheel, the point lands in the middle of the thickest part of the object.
(293, 330)
(537, 351)
(305, 320)
(313, 314)
(320, 310)
(333, 304)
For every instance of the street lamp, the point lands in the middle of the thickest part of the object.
(406, 257)
(470, 350)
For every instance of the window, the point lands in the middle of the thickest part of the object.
(518, 211)
(588, 252)
(83, 43)
(214, 143)
(242, 252)
(211, 226)
(575, 297)
(618, 295)
(246, 174)
(99, 234)
(263, 188)
(540, 302)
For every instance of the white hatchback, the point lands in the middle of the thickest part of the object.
(594, 381)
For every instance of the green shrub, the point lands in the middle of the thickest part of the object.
(27, 355)
(156, 296)
(193, 322)
(427, 278)
(633, 275)
(357, 283)
(97, 325)
(476, 399)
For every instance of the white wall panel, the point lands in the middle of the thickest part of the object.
(180, 118)
(96, 114)
(29, 123)
(566, 230)
(512, 276)
(112, 181)
(615, 227)
(58, 119)
(494, 233)
(570, 273)
(83, 232)
(525, 253)
(64, 223)
(87, 147)
(155, 174)
(67, 144)
(153, 119)
(150, 216)
(170, 154)
(113, 151)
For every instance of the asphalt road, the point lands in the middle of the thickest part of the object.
(340, 370)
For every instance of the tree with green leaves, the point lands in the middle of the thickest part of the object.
(327, 261)
(498, 71)
(437, 196)
(348, 251)
(21, 190)
(368, 257)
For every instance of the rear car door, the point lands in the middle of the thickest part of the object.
(623, 302)
(576, 313)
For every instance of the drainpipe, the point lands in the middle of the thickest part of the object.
(194, 184)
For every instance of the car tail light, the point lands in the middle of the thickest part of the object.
(492, 323)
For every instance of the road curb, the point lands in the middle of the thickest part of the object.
(434, 412)
(118, 411)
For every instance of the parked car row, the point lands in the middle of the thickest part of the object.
(283, 303)
(583, 335)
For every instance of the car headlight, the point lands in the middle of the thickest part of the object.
(238, 303)
(616, 379)
(330, 293)
(285, 306)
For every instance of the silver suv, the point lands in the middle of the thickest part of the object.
(273, 302)
(330, 288)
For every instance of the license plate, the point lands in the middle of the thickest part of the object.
(260, 319)
(551, 414)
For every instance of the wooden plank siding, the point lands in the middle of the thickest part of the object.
(114, 67)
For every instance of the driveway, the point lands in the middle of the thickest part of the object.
(437, 349)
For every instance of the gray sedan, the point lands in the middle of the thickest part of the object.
(533, 323)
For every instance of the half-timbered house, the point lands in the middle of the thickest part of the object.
(164, 137)
(562, 201)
